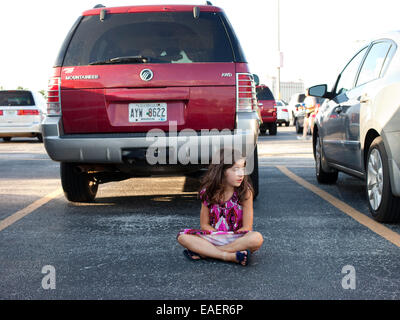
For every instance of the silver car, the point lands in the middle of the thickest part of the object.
(295, 105)
(358, 130)
(21, 114)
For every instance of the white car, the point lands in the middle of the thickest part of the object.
(295, 105)
(21, 114)
(282, 113)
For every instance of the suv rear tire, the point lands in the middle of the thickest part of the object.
(254, 174)
(273, 128)
(323, 176)
(77, 186)
(378, 186)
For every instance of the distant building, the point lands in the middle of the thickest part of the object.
(287, 88)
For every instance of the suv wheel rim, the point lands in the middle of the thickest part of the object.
(375, 179)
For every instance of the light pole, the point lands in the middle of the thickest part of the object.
(279, 53)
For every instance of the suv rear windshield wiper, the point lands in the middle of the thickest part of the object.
(129, 59)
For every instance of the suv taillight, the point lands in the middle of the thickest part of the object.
(54, 97)
(1, 112)
(246, 99)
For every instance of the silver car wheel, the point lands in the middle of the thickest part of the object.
(375, 179)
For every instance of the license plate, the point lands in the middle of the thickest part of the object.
(10, 112)
(147, 112)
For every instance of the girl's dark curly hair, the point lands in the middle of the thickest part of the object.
(213, 180)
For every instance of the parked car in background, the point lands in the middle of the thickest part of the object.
(282, 113)
(266, 103)
(21, 114)
(308, 109)
(295, 103)
(358, 130)
(123, 71)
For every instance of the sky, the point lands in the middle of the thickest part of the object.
(317, 37)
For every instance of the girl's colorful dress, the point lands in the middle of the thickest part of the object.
(227, 218)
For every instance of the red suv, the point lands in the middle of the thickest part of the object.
(124, 72)
(266, 103)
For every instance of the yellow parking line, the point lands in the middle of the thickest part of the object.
(29, 209)
(371, 224)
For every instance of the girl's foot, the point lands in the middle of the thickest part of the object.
(191, 255)
(243, 257)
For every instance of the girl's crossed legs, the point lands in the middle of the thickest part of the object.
(251, 241)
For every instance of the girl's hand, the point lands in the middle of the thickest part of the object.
(243, 229)
(208, 228)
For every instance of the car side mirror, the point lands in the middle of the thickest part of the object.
(256, 79)
(318, 91)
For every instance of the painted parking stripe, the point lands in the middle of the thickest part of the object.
(371, 224)
(29, 209)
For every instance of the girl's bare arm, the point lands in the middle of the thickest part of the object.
(205, 219)
(247, 213)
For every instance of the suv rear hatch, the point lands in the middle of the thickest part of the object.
(266, 98)
(189, 63)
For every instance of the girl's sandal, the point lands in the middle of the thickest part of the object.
(243, 257)
(193, 256)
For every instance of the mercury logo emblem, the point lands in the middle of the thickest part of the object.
(146, 75)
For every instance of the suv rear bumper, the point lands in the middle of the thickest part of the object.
(269, 118)
(110, 148)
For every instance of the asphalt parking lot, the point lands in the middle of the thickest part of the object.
(123, 246)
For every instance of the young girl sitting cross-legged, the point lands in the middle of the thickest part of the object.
(226, 216)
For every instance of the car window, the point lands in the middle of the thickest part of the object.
(301, 98)
(372, 66)
(163, 37)
(264, 93)
(348, 75)
(297, 98)
(389, 57)
(16, 98)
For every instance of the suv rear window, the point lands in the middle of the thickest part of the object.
(163, 37)
(264, 94)
(16, 98)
